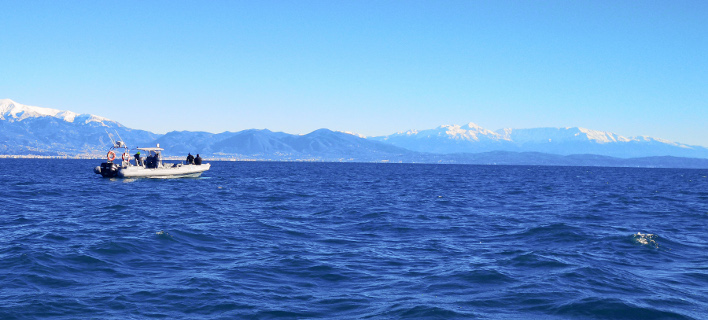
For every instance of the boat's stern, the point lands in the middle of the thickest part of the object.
(107, 169)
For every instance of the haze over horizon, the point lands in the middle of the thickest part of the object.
(372, 68)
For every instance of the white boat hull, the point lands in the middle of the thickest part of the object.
(165, 172)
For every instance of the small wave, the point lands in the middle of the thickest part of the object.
(612, 308)
(117, 247)
(327, 273)
(84, 260)
(164, 235)
(536, 261)
(49, 281)
(646, 239)
(426, 312)
(550, 234)
(281, 314)
(54, 237)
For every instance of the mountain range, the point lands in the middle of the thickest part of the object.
(28, 130)
(471, 138)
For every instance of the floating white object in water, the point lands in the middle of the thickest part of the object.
(645, 239)
(163, 233)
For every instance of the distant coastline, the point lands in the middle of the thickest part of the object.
(488, 158)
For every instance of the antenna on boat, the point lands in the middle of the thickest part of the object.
(110, 136)
(116, 144)
(120, 143)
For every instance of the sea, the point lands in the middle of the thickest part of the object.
(313, 240)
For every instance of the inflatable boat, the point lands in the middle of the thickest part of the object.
(149, 167)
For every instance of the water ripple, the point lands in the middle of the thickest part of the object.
(353, 241)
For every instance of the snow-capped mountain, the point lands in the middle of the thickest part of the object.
(447, 139)
(468, 132)
(44, 131)
(12, 111)
(28, 130)
(471, 138)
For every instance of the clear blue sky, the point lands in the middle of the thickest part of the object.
(370, 67)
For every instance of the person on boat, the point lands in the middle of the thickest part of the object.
(151, 160)
(190, 158)
(137, 159)
(198, 160)
(157, 159)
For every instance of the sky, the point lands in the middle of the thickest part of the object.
(368, 67)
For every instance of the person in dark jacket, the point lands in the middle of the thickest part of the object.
(190, 158)
(137, 159)
(150, 161)
(198, 160)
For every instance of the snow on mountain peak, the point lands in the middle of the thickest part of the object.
(68, 116)
(468, 132)
(560, 134)
(607, 137)
(598, 136)
(473, 126)
(95, 118)
(20, 112)
(472, 131)
(457, 132)
(650, 139)
(13, 111)
(354, 134)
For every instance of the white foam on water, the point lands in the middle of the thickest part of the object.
(163, 233)
(645, 239)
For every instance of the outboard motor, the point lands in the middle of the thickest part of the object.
(108, 169)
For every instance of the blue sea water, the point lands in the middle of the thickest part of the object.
(269, 240)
